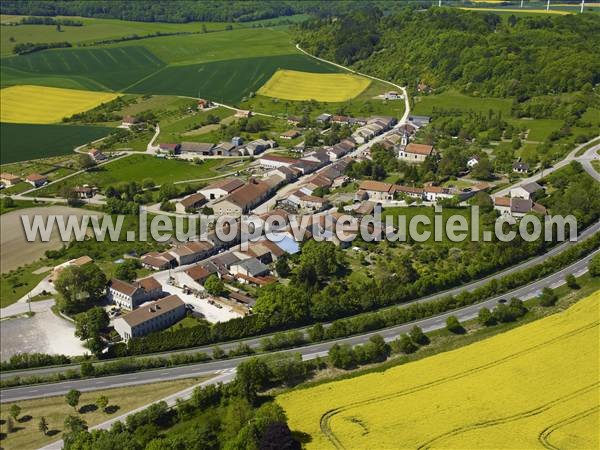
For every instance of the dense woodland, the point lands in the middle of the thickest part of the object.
(179, 11)
(480, 53)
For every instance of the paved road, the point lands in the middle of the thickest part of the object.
(255, 342)
(171, 400)
(309, 351)
(572, 156)
(586, 161)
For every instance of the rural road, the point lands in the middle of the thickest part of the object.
(586, 161)
(572, 156)
(264, 207)
(309, 351)
(171, 401)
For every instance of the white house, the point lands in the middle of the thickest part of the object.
(275, 161)
(131, 295)
(472, 162)
(526, 190)
(150, 318)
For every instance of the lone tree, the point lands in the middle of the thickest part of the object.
(214, 286)
(454, 326)
(43, 425)
(548, 297)
(74, 424)
(15, 411)
(418, 337)
(572, 281)
(102, 402)
(72, 398)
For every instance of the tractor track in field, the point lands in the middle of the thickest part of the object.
(328, 415)
(544, 436)
(512, 418)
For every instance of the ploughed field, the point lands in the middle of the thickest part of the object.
(536, 386)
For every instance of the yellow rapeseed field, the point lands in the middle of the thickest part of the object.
(40, 104)
(533, 387)
(323, 87)
(541, 11)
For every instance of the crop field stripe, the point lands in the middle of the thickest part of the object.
(141, 80)
(514, 417)
(326, 417)
(545, 434)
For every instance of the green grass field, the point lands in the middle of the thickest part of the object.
(111, 69)
(92, 30)
(410, 212)
(200, 48)
(139, 167)
(452, 99)
(21, 142)
(224, 81)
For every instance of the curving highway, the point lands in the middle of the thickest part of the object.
(308, 352)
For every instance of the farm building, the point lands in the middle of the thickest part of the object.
(243, 199)
(158, 261)
(190, 203)
(221, 188)
(197, 148)
(290, 134)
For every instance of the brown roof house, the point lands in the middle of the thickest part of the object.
(158, 261)
(194, 277)
(376, 190)
(190, 203)
(129, 121)
(150, 318)
(415, 153)
(290, 134)
(131, 295)
(36, 180)
(8, 179)
(517, 207)
(192, 251)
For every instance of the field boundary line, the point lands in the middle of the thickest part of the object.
(326, 417)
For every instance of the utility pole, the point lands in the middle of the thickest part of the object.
(548, 6)
(521, 3)
(582, 5)
(440, 3)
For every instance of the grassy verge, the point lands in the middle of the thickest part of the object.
(18, 282)
(443, 340)
(55, 410)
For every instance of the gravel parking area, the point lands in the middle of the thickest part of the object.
(211, 312)
(42, 333)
